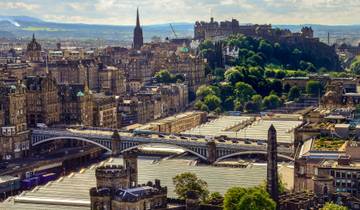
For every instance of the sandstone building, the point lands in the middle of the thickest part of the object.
(76, 104)
(14, 134)
(105, 111)
(42, 100)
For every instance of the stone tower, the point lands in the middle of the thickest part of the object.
(115, 143)
(138, 33)
(130, 164)
(33, 51)
(272, 170)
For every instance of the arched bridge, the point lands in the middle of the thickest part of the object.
(199, 147)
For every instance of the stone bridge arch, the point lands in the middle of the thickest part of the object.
(74, 138)
(249, 153)
(203, 157)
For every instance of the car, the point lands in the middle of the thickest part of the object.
(247, 142)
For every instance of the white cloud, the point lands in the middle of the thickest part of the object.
(18, 5)
(162, 11)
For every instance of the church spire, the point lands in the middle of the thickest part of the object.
(137, 18)
(138, 33)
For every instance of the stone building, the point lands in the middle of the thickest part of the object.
(42, 100)
(68, 71)
(117, 188)
(215, 31)
(136, 66)
(14, 134)
(178, 123)
(33, 51)
(76, 104)
(132, 111)
(105, 111)
(16, 70)
(111, 80)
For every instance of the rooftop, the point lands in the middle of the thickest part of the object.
(72, 192)
(246, 127)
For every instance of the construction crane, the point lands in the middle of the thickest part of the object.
(172, 28)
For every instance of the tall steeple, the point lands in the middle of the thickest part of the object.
(137, 18)
(138, 33)
(272, 170)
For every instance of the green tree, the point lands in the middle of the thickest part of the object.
(186, 182)
(294, 93)
(276, 86)
(233, 75)
(244, 91)
(163, 76)
(198, 105)
(280, 74)
(254, 105)
(219, 74)
(255, 198)
(215, 198)
(212, 102)
(269, 73)
(313, 88)
(332, 206)
(355, 67)
(266, 48)
(203, 91)
(272, 102)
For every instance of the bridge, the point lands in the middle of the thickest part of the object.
(118, 142)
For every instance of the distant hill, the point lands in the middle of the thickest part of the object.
(24, 27)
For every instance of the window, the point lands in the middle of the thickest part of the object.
(349, 175)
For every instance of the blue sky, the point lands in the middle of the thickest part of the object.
(122, 12)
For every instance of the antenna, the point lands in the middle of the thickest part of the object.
(172, 28)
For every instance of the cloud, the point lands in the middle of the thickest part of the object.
(18, 5)
(162, 11)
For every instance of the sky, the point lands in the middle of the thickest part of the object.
(122, 12)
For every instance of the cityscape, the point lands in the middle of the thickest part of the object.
(210, 113)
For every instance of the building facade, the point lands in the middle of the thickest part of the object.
(76, 104)
(105, 111)
(42, 100)
(14, 135)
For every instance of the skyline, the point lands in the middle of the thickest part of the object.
(122, 12)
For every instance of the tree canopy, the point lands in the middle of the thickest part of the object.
(187, 182)
(332, 206)
(164, 76)
(294, 93)
(256, 198)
